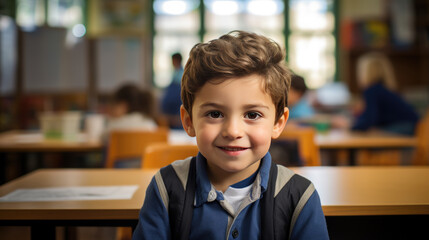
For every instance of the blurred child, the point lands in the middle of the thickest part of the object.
(382, 107)
(234, 92)
(170, 103)
(132, 108)
(299, 105)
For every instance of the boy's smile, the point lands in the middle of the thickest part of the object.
(233, 121)
(232, 150)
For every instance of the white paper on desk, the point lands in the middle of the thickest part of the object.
(71, 194)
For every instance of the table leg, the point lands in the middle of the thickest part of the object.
(328, 157)
(352, 156)
(3, 167)
(43, 231)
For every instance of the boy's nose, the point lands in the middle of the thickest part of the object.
(233, 129)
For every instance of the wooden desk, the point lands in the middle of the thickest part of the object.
(44, 216)
(372, 203)
(341, 139)
(353, 141)
(33, 142)
(347, 193)
(27, 141)
(365, 191)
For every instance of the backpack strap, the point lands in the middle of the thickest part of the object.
(180, 200)
(267, 206)
(285, 197)
(282, 202)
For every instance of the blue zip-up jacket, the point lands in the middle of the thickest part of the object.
(213, 218)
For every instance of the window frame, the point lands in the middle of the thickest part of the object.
(287, 32)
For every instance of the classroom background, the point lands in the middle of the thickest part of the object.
(71, 55)
(62, 63)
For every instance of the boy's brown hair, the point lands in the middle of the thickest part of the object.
(237, 54)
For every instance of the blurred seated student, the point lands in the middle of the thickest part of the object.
(298, 101)
(381, 107)
(171, 101)
(285, 151)
(132, 108)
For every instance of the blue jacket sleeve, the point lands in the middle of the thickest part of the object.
(311, 223)
(153, 218)
(369, 116)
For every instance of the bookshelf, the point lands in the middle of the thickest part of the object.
(410, 59)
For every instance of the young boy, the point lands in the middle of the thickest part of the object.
(234, 103)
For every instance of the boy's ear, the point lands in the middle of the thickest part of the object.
(187, 122)
(280, 124)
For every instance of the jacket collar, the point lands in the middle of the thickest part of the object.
(205, 192)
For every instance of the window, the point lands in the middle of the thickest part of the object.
(263, 17)
(311, 41)
(53, 31)
(57, 13)
(8, 54)
(30, 13)
(67, 13)
(177, 24)
(306, 27)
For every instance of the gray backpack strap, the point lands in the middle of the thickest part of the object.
(267, 206)
(181, 168)
(304, 198)
(291, 194)
(177, 190)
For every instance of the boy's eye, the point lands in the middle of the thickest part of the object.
(215, 114)
(253, 115)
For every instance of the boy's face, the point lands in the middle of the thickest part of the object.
(233, 122)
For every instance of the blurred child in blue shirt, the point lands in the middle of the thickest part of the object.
(299, 105)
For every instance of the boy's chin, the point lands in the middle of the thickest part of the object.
(241, 167)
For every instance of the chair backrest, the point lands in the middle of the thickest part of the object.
(307, 148)
(421, 154)
(131, 143)
(158, 155)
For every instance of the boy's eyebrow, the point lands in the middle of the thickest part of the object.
(256, 106)
(210, 104)
(248, 106)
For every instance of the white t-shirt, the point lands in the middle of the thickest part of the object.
(234, 196)
(130, 121)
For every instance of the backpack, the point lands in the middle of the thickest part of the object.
(281, 203)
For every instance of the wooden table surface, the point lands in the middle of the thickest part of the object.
(344, 139)
(390, 202)
(27, 141)
(84, 210)
(364, 191)
(344, 191)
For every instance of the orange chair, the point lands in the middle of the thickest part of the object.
(125, 144)
(421, 155)
(158, 155)
(132, 143)
(307, 147)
